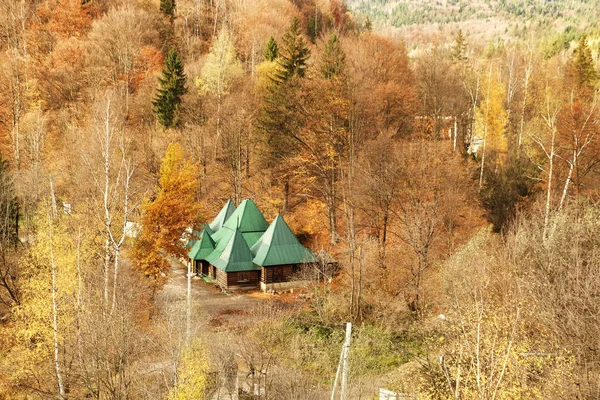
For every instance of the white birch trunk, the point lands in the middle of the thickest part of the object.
(346, 362)
(59, 377)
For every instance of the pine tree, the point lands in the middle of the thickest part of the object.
(271, 50)
(168, 7)
(368, 25)
(172, 87)
(333, 58)
(584, 64)
(459, 52)
(293, 55)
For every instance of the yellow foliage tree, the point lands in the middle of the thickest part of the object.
(192, 374)
(166, 217)
(44, 320)
(490, 349)
(490, 121)
(491, 117)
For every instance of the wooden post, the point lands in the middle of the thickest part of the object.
(188, 311)
(343, 365)
(346, 352)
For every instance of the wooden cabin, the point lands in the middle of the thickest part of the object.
(240, 250)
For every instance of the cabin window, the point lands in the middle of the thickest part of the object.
(296, 268)
(243, 276)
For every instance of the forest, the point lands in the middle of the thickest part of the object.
(450, 167)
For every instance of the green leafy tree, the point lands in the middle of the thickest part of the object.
(293, 55)
(168, 7)
(584, 64)
(333, 59)
(271, 50)
(172, 87)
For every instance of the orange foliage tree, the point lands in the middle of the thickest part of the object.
(167, 215)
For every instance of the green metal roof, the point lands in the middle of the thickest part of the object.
(236, 255)
(247, 218)
(251, 237)
(221, 239)
(222, 216)
(202, 247)
(196, 235)
(279, 246)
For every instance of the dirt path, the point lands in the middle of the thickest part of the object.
(213, 308)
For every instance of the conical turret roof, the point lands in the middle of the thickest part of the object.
(222, 216)
(235, 256)
(279, 246)
(202, 247)
(248, 219)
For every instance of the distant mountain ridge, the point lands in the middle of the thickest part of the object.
(494, 17)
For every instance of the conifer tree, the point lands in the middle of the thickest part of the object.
(271, 50)
(172, 87)
(293, 54)
(368, 25)
(584, 64)
(459, 51)
(168, 7)
(333, 59)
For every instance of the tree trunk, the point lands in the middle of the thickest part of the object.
(59, 377)
(549, 189)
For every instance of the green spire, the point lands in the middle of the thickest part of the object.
(172, 87)
(236, 255)
(167, 7)
(584, 64)
(271, 50)
(459, 51)
(279, 246)
(204, 246)
(247, 218)
(222, 216)
(333, 58)
(293, 54)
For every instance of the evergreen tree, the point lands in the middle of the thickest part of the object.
(459, 52)
(293, 55)
(271, 50)
(333, 59)
(584, 64)
(172, 87)
(368, 25)
(168, 7)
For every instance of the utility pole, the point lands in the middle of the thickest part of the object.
(343, 365)
(188, 311)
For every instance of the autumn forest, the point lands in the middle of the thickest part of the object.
(442, 157)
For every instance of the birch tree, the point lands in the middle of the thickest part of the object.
(220, 68)
(46, 315)
(112, 178)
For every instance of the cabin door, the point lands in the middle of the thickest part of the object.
(277, 274)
